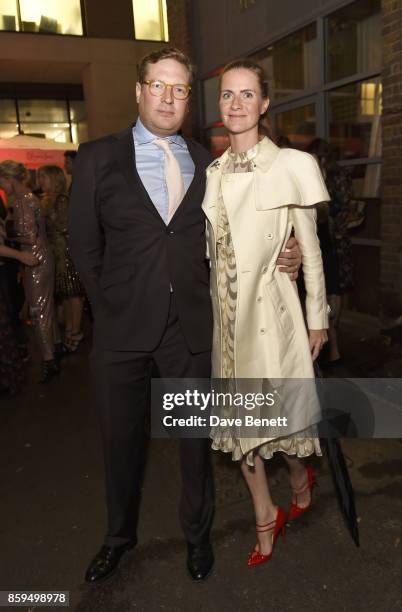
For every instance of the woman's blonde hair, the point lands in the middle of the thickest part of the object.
(57, 178)
(10, 169)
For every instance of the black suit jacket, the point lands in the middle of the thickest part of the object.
(127, 257)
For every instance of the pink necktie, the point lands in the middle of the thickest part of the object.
(174, 179)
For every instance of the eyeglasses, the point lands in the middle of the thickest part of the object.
(158, 88)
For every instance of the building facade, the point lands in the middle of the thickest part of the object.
(334, 71)
(68, 68)
(68, 71)
(391, 189)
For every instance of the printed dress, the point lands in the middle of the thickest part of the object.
(67, 281)
(29, 226)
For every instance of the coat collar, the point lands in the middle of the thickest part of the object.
(281, 177)
(268, 152)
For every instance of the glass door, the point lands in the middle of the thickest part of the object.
(295, 124)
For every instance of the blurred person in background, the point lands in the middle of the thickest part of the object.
(14, 272)
(69, 157)
(11, 370)
(283, 142)
(335, 240)
(68, 288)
(30, 233)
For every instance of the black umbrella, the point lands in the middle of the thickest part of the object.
(336, 423)
(343, 486)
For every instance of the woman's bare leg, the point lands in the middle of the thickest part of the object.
(298, 478)
(56, 329)
(264, 508)
(77, 304)
(68, 318)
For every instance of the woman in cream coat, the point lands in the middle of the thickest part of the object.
(257, 194)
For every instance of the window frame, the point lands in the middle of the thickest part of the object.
(23, 93)
(319, 95)
(293, 105)
(21, 31)
(162, 15)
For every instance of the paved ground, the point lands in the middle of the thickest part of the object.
(52, 515)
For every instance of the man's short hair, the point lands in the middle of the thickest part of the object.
(72, 154)
(165, 53)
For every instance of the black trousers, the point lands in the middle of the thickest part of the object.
(122, 383)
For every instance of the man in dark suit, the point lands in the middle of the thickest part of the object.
(137, 235)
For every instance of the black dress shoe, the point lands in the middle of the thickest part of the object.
(200, 560)
(105, 563)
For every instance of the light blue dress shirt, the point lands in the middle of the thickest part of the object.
(150, 162)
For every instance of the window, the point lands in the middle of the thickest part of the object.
(8, 119)
(365, 212)
(46, 16)
(366, 180)
(8, 15)
(355, 119)
(47, 118)
(325, 81)
(354, 39)
(211, 100)
(218, 140)
(59, 120)
(306, 100)
(150, 20)
(291, 63)
(79, 125)
(298, 124)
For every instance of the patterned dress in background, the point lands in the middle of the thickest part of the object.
(67, 281)
(11, 369)
(302, 444)
(29, 224)
(339, 185)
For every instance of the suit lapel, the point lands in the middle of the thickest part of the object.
(125, 154)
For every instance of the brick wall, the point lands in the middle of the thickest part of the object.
(391, 222)
(179, 19)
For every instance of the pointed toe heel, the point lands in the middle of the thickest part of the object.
(277, 527)
(295, 511)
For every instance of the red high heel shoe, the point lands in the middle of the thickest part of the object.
(295, 511)
(278, 526)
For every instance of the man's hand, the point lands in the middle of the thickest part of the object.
(317, 338)
(289, 260)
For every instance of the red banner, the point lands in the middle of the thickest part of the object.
(33, 158)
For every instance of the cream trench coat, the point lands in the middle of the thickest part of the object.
(262, 207)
